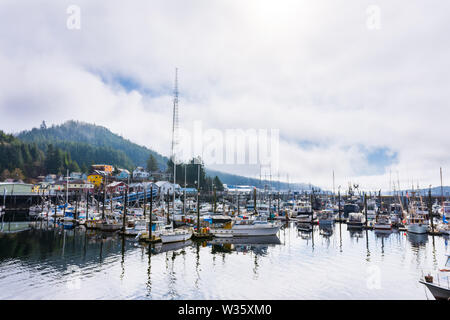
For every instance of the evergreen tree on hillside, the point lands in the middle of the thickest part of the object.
(218, 184)
(152, 164)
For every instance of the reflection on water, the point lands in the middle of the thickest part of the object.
(326, 262)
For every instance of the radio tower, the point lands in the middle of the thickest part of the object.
(175, 117)
(175, 135)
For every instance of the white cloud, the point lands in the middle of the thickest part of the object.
(311, 69)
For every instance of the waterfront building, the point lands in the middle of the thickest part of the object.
(140, 174)
(123, 174)
(108, 169)
(96, 179)
(116, 187)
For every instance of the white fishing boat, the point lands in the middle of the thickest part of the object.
(111, 223)
(301, 208)
(175, 235)
(140, 226)
(416, 224)
(383, 222)
(417, 219)
(440, 289)
(356, 220)
(222, 233)
(326, 217)
(255, 227)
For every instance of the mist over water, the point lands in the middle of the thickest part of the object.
(325, 264)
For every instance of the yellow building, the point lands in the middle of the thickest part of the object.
(95, 179)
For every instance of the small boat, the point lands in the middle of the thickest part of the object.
(222, 233)
(175, 235)
(383, 222)
(326, 217)
(356, 220)
(440, 289)
(416, 224)
(255, 227)
(417, 219)
(111, 223)
(139, 227)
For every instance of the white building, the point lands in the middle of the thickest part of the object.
(140, 174)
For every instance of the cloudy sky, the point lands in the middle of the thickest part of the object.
(358, 87)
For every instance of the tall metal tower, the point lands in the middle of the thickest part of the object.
(175, 124)
(175, 136)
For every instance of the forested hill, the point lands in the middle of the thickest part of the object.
(88, 144)
(18, 158)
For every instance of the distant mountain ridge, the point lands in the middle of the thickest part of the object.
(76, 137)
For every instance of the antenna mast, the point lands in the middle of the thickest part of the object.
(175, 133)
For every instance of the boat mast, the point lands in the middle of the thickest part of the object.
(67, 186)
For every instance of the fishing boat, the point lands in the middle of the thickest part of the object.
(176, 235)
(111, 223)
(349, 208)
(140, 226)
(244, 226)
(440, 289)
(326, 217)
(302, 209)
(258, 226)
(383, 222)
(417, 219)
(356, 220)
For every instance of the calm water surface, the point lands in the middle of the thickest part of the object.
(324, 264)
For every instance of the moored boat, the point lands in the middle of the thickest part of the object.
(440, 289)
(175, 235)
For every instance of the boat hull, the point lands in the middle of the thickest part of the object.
(168, 238)
(439, 293)
(382, 226)
(417, 228)
(255, 230)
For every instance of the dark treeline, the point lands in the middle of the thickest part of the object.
(24, 161)
(88, 144)
(191, 169)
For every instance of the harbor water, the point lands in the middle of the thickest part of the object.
(332, 263)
